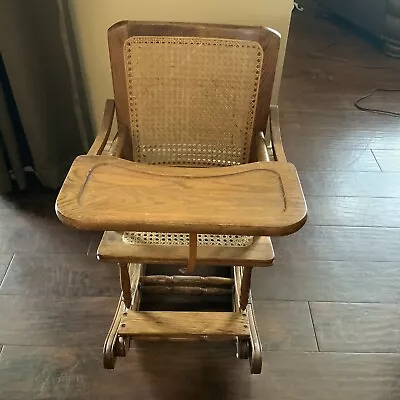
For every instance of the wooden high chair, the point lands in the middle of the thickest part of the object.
(194, 176)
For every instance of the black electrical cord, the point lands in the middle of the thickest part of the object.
(357, 104)
(376, 110)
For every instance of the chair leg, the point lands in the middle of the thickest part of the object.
(125, 281)
(245, 287)
(243, 302)
(111, 348)
(255, 342)
(116, 345)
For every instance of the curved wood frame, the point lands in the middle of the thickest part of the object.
(101, 139)
(275, 134)
(115, 345)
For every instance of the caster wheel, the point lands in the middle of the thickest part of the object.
(121, 346)
(242, 348)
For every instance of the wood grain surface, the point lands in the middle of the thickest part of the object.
(259, 253)
(55, 322)
(4, 263)
(354, 211)
(322, 280)
(350, 184)
(357, 327)
(328, 376)
(388, 160)
(60, 275)
(106, 193)
(184, 324)
(285, 325)
(329, 160)
(154, 372)
(341, 243)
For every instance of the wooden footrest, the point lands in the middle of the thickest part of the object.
(183, 324)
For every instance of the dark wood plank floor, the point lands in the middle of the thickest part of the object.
(328, 311)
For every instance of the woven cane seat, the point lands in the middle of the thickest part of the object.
(182, 239)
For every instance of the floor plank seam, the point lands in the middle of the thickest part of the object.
(379, 165)
(340, 196)
(7, 268)
(313, 325)
(304, 300)
(352, 226)
(64, 298)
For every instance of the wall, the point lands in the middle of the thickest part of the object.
(367, 14)
(35, 60)
(91, 18)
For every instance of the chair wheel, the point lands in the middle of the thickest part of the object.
(121, 346)
(242, 348)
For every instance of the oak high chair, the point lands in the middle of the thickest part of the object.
(194, 176)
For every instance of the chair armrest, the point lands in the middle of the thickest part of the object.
(119, 144)
(275, 134)
(261, 151)
(105, 129)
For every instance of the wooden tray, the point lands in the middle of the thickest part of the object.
(108, 193)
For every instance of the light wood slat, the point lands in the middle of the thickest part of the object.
(106, 193)
(125, 283)
(260, 253)
(192, 253)
(245, 287)
(183, 324)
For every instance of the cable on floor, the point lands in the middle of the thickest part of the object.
(357, 104)
(376, 110)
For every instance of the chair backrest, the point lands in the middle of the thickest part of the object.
(192, 94)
